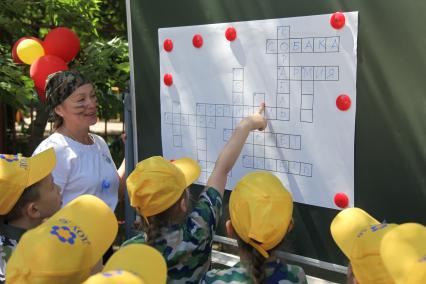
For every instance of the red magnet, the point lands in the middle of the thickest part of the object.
(337, 20)
(168, 79)
(343, 102)
(231, 34)
(341, 200)
(197, 41)
(168, 45)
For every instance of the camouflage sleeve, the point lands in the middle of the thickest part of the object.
(298, 274)
(236, 274)
(138, 239)
(209, 209)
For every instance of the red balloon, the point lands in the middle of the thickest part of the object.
(341, 200)
(62, 42)
(43, 67)
(343, 102)
(15, 56)
(168, 79)
(41, 94)
(197, 41)
(337, 20)
(231, 34)
(168, 45)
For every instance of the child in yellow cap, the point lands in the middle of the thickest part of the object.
(261, 209)
(66, 247)
(28, 195)
(157, 189)
(133, 264)
(359, 236)
(403, 252)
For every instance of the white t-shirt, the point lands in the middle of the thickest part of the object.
(83, 169)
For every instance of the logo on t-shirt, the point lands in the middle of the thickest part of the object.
(107, 159)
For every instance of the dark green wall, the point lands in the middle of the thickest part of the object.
(390, 140)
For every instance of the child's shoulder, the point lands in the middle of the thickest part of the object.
(56, 141)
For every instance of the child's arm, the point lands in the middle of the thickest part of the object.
(231, 151)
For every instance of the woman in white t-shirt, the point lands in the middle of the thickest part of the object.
(83, 162)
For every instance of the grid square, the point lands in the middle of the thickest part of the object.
(201, 109)
(258, 151)
(271, 46)
(308, 45)
(176, 130)
(259, 163)
(211, 121)
(283, 140)
(210, 110)
(295, 45)
(306, 115)
(307, 102)
(332, 44)
(177, 140)
(283, 114)
(283, 86)
(308, 87)
(271, 165)
(283, 46)
(237, 86)
(247, 161)
(282, 166)
(219, 110)
(238, 74)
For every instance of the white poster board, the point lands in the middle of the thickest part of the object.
(298, 67)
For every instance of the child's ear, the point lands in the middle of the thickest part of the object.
(58, 110)
(290, 226)
(230, 229)
(183, 205)
(31, 210)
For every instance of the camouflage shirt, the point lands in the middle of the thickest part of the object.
(276, 272)
(9, 238)
(187, 247)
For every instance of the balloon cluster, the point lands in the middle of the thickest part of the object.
(59, 47)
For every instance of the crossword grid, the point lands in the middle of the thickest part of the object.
(260, 145)
(283, 46)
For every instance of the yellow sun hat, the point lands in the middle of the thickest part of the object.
(142, 261)
(359, 236)
(18, 173)
(404, 253)
(261, 210)
(66, 247)
(156, 183)
(114, 277)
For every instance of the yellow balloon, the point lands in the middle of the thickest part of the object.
(29, 51)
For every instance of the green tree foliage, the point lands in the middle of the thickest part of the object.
(103, 57)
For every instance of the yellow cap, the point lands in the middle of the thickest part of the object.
(359, 235)
(404, 253)
(347, 224)
(66, 247)
(17, 173)
(114, 277)
(156, 183)
(261, 209)
(141, 260)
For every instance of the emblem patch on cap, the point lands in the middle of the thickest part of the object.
(9, 158)
(64, 234)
